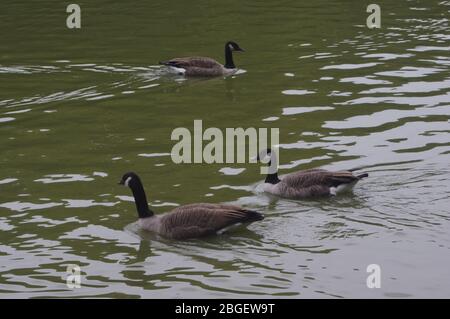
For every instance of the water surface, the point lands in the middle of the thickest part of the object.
(78, 108)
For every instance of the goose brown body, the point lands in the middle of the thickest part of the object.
(313, 183)
(199, 66)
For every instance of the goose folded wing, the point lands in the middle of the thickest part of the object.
(199, 62)
(197, 220)
(313, 177)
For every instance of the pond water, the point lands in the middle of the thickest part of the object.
(78, 108)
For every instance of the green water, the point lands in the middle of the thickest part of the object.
(78, 108)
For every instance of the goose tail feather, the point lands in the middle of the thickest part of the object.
(252, 216)
(361, 176)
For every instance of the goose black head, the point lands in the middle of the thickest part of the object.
(233, 46)
(266, 157)
(263, 154)
(129, 179)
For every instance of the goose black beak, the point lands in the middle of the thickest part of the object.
(120, 183)
(241, 50)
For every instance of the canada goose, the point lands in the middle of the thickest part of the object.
(307, 183)
(203, 66)
(188, 221)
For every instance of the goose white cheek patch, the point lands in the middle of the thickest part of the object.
(127, 181)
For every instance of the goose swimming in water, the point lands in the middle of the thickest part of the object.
(188, 221)
(203, 66)
(307, 183)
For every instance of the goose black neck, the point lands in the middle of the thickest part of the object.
(229, 64)
(140, 199)
(272, 178)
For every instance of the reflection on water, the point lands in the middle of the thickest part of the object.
(80, 109)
